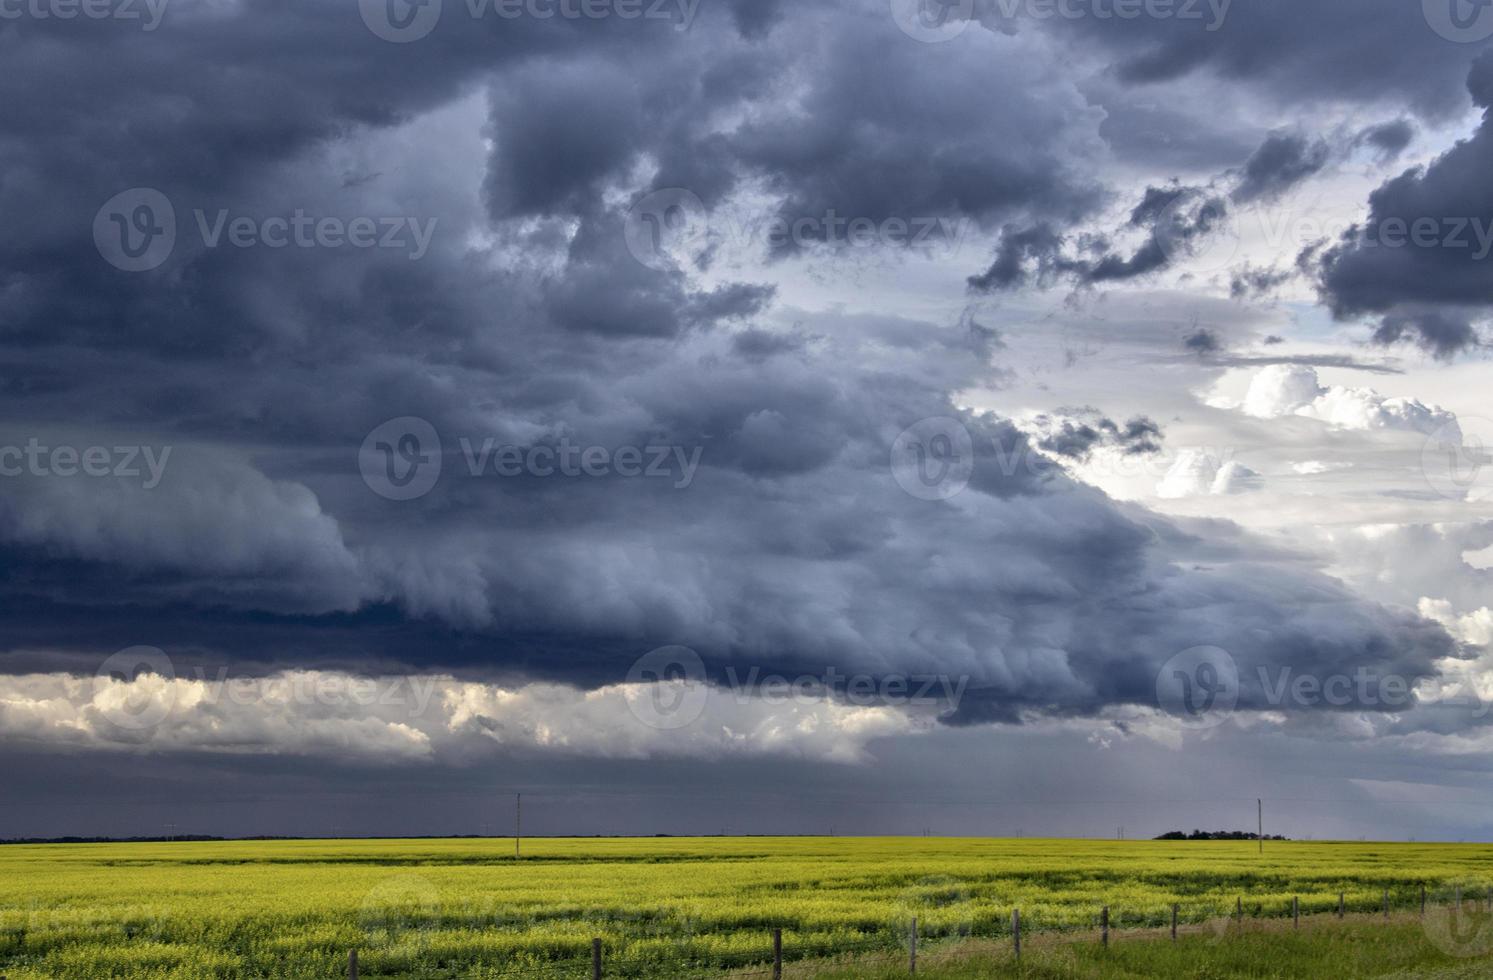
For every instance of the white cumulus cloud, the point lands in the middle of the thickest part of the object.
(1292, 389)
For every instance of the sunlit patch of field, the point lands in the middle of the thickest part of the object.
(466, 908)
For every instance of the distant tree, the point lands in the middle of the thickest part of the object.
(1216, 835)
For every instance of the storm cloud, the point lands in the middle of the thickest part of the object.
(613, 288)
(1429, 281)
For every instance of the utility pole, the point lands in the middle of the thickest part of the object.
(518, 823)
(1260, 812)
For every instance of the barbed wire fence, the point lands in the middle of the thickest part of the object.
(1450, 905)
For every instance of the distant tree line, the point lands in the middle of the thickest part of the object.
(1217, 835)
(194, 838)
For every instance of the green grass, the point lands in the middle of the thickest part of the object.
(1399, 950)
(447, 908)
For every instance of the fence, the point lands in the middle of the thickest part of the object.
(773, 958)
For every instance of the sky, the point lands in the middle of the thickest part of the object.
(1008, 417)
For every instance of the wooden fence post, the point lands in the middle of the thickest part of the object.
(912, 948)
(1016, 931)
(596, 959)
(1295, 912)
(1239, 909)
(777, 954)
(352, 964)
(1423, 899)
(1339, 905)
(1386, 903)
(1104, 925)
(1174, 922)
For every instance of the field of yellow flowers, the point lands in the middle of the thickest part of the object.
(468, 908)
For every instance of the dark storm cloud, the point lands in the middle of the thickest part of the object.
(1375, 51)
(1430, 280)
(1202, 341)
(1444, 335)
(1173, 221)
(1253, 283)
(530, 322)
(1170, 221)
(757, 345)
(1021, 254)
(888, 142)
(607, 291)
(1390, 138)
(869, 134)
(1282, 161)
(1158, 135)
(1077, 433)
